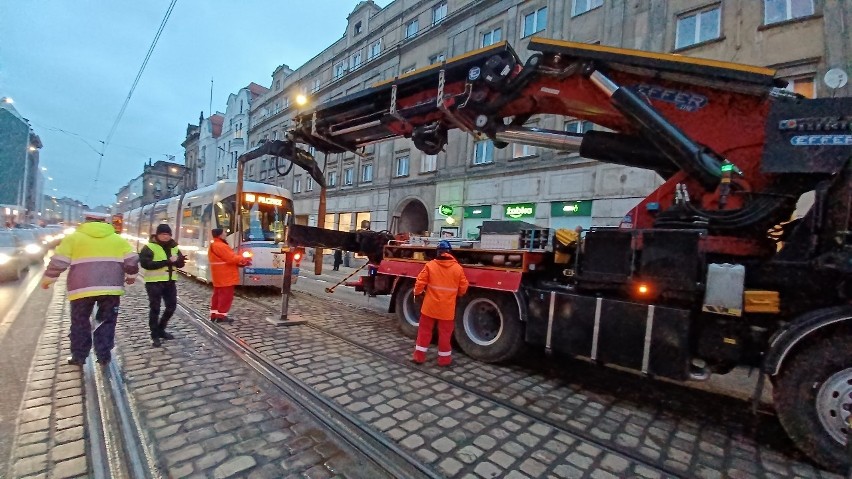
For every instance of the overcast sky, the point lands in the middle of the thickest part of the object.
(69, 65)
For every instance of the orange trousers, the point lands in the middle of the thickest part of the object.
(424, 339)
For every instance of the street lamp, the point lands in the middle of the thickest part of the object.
(301, 99)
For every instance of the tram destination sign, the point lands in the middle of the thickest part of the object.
(263, 200)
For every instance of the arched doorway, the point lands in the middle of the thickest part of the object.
(413, 218)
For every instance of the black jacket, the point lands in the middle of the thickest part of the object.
(146, 256)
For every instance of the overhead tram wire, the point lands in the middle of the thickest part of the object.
(130, 94)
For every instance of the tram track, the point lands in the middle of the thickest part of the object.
(572, 432)
(117, 447)
(381, 451)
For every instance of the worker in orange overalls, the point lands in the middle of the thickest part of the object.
(224, 272)
(443, 281)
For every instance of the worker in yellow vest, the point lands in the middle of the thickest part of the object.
(160, 259)
(99, 264)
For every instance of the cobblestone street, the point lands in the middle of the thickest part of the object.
(204, 413)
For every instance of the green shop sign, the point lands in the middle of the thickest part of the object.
(571, 208)
(483, 211)
(446, 210)
(519, 210)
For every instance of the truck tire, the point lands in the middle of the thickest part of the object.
(812, 395)
(488, 326)
(407, 311)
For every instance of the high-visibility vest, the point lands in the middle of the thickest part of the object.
(97, 260)
(160, 274)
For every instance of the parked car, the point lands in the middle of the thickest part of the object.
(13, 258)
(31, 242)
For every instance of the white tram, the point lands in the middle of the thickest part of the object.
(192, 216)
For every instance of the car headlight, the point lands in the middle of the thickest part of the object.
(68, 231)
(5, 258)
(32, 248)
(48, 238)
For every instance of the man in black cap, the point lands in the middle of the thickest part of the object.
(160, 259)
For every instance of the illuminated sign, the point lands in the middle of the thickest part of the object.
(483, 211)
(263, 200)
(446, 210)
(570, 208)
(519, 210)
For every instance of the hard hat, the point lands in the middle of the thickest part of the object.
(95, 216)
(445, 245)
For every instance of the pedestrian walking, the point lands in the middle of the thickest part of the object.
(159, 260)
(338, 260)
(99, 264)
(224, 270)
(443, 280)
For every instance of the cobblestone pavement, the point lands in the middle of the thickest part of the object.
(482, 420)
(207, 414)
(203, 413)
(50, 437)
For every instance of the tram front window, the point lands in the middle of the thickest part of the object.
(263, 217)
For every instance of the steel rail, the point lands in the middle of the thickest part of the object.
(383, 453)
(576, 433)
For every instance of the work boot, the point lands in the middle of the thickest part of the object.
(104, 362)
(74, 361)
(166, 335)
(156, 342)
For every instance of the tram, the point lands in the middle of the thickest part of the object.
(266, 211)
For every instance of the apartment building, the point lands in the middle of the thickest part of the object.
(396, 187)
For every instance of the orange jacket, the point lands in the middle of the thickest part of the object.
(443, 280)
(223, 264)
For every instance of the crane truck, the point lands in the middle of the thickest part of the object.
(709, 272)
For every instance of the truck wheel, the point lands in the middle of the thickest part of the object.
(407, 311)
(813, 397)
(488, 327)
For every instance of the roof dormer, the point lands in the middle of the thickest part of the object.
(359, 18)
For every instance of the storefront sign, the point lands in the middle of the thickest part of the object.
(263, 200)
(446, 210)
(483, 211)
(519, 210)
(571, 208)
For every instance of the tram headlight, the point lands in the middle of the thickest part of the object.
(247, 254)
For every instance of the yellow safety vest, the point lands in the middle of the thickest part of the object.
(160, 274)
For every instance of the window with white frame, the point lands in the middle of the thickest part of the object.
(803, 85)
(428, 163)
(375, 49)
(358, 28)
(775, 11)
(286, 102)
(583, 6)
(366, 173)
(521, 151)
(348, 176)
(355, 61)
(402, 166)
(439, 13)
(339, 70)
(483, 152)
(309, 184)
(275, 135)
(297, 184)
(411, 28)
(491, 37)
(316, 85)
(698, 27)
(408, 69)
(437, 58)
(332, 178)
(578, 126)
(535, 22)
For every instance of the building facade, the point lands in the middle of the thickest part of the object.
(400, 189)
(159, 180)
(20, 177)
(190, 154)
(63, 210)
